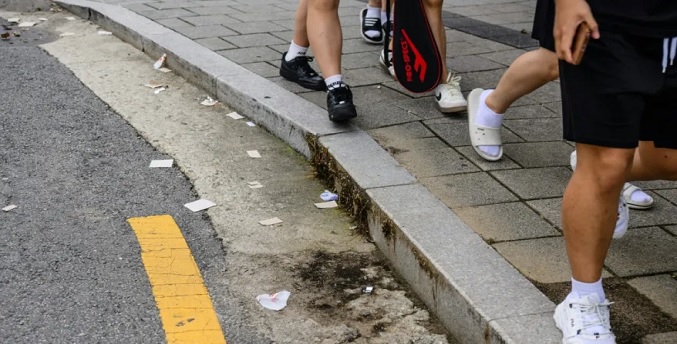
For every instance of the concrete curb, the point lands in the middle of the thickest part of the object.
(476, 293)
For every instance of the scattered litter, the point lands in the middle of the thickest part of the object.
(165, 70)
(5, 35)
(162, 89)
(352, 228)
(9, 207)
(254, 185)
(5, 179)
(209, 102)
(270, 222)
(329, 196)
(251, 124)
(70, 18)
(368, 289)
(235, 115)
(254, 154)
(326, 205)
(154, 84)
(160, 62)
(27, 24)
(43, 19)
(16, 34)
(378, 87)
(14, 20)
(104, 33)
(276, 301)
(199, 205)
(162, 163)
(66, 34)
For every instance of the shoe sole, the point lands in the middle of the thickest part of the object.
(291, 77)
(452, 109)
(385, 68)
(365, 37)
(343, 114)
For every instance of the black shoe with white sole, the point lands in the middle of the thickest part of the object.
(340, 103)
(299, 71)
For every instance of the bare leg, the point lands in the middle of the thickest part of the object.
(652, 163)
(433, 10)
(300, 21)
(325, 35)
(527, 73)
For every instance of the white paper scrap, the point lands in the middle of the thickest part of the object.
(42, 19)
(251, 124)
(104, 33)
(66, 34)
(326, 205)
(154, 84)
(9, 207)
(13, 20)
(235, 115)
(161, 163)
(209, 102)
(270, 222)
(70, 18)
(27, 24)
(274, 302)
(199, 205)
(160, 62)
(161, 89)
(254, 185)
(165, 70)
(254, 154)
(329, 196)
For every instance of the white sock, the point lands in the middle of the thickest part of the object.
(486, 117)
(295, 51)
(334, 79)
(383, 17)
(582, 289)
(373, 12)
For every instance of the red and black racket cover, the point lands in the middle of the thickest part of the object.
(416, 58)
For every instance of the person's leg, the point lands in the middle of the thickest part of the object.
(325, 35)
(651, 163)
(294, 66)
(448, 94)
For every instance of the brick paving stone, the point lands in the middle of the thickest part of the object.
(538, 154)
(534, 183)
(255, 40)
(374, 116)
(661, 289)
(536, 129)
(530, 111)
(138, 7)
(249, 55)
(505, 57)
(248, 27)
(455, 131)
(263, 69)
(365, 76)
(430, 157)
(643, 251)
(164, 14)
(464, 64)
(211, 20)
(205, 31)
(661, 338)
(214, 10)
(425, 108)
(401, 133)
(471, 155)
(672, 229)
(164, 5)
(215, 43)
(465, 190)
(506, 222)
(550, 209)
(663, 213)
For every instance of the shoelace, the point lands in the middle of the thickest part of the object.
(303, 62)
(452, 87)
(594, 315)
(339, 92)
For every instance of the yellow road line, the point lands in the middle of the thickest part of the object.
(187, 312)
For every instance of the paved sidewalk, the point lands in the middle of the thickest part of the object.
(513, 204)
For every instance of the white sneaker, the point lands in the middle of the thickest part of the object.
(448, 95)
(584, 320)
(623, 219)
(382, 60)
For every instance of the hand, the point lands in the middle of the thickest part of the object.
(568, 15)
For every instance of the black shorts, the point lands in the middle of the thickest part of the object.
(619, 94)
(544, 22)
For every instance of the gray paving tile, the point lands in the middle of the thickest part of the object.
(507, 17)
(215, 43)
(672, 229)
(400, 135)
(454, 130)
(465, 190)
(430, 157)
(472, 63)
(547, 93)
(164, 14)
(550, 209)
(213, 3)
(535, 183)
(543, 260)
(505, 57)
(661, 289)
(263, 69)
(474, 10)
(370, 116)
(643, 251)
(425, 108)
(211, 20)
(358, 45)
(541, 154)
(504, 164)
(462, 48)
(506, 221)
(661, 338)
(555, 107)
(172, 4)
(394, 85)
(536, 129)
(214, 10)
(268, 17)
(371, 96)
(288, 24)
(531, 111)
(365, 76)
(139, 7)
(657, 184)
(662, 213)
(249, 55)
(248, 27)
(255, 40)
(669, 194)
(174, 23)
(359, 60)
(205, 31)
(485, 79)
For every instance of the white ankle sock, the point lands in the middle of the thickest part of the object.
(373, 12)
(295, 51)
(338, 78)
(488, 118)
(583, 289)
(383, 17)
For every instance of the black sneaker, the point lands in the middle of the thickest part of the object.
(370, 24)
(340, 102)
(299, 71)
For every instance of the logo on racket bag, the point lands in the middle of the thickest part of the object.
(420, 65)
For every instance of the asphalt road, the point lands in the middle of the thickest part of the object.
(70, 268)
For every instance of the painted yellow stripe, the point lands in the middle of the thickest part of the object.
(187, 312)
